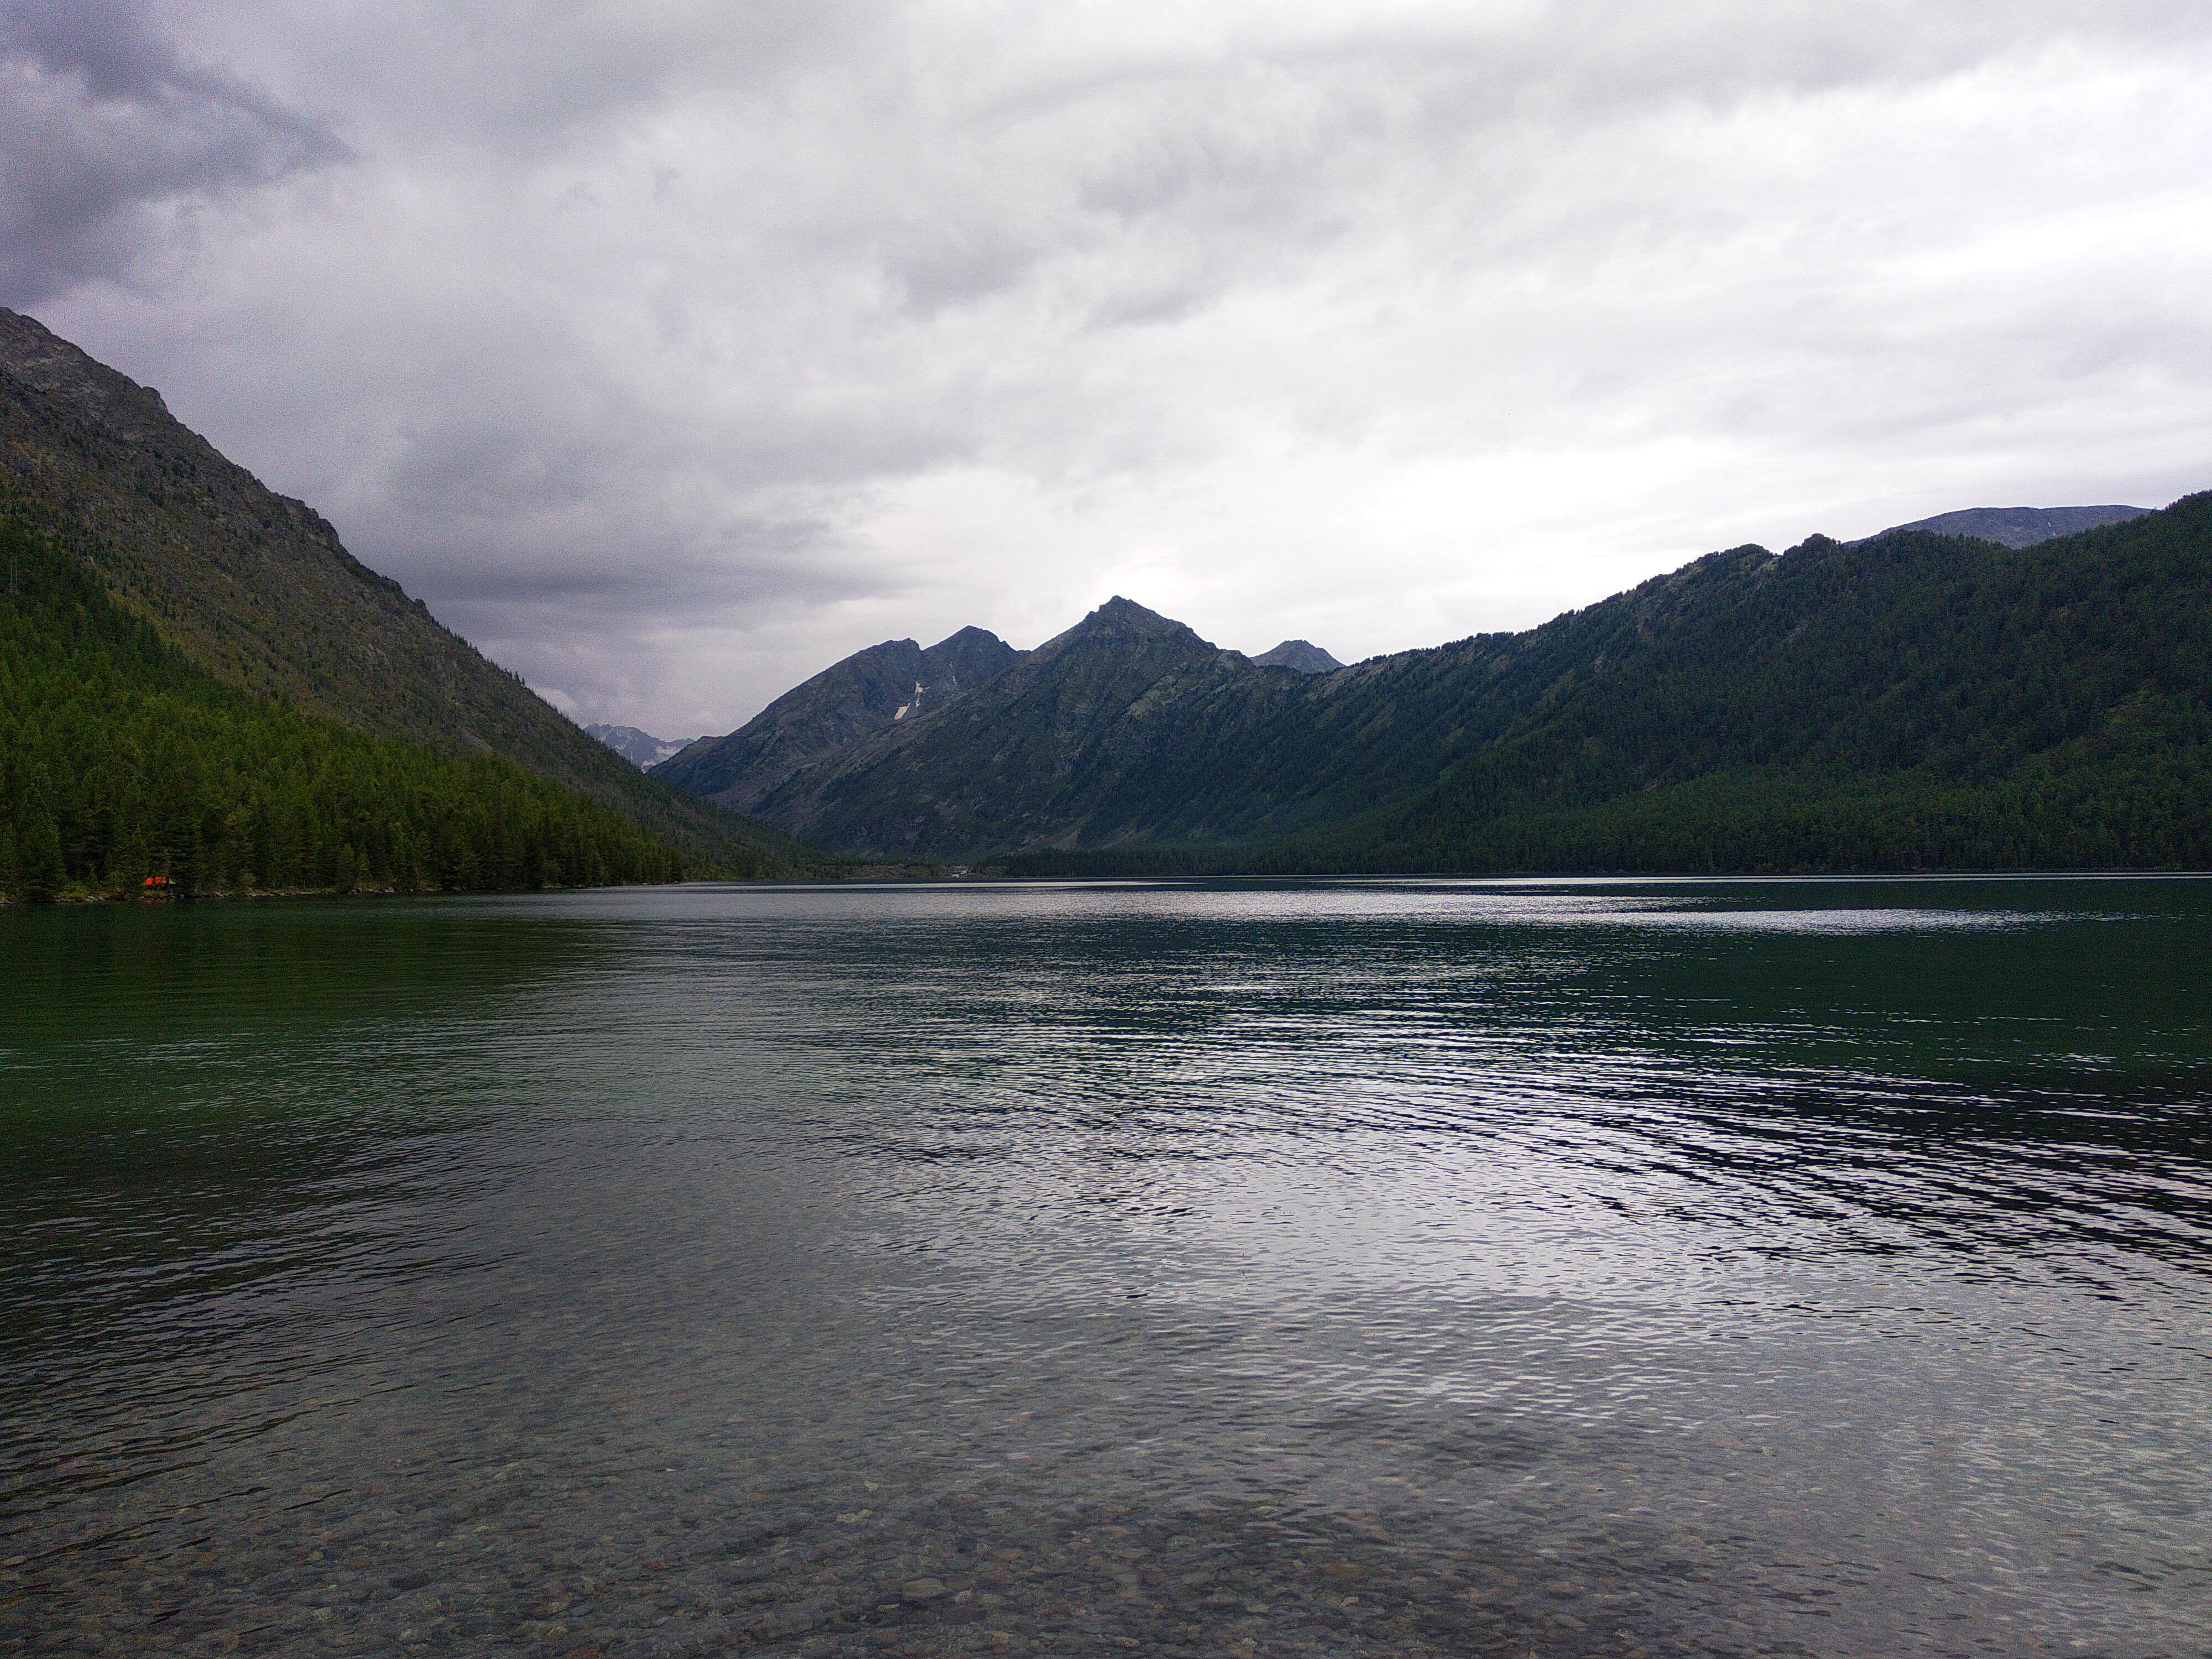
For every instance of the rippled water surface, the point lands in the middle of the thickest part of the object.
(1384, 1268)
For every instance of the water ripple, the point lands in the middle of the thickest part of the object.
(1418, 1266)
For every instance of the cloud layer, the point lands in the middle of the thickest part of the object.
(671, 352)
(115, 140)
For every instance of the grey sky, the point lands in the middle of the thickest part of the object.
(670, 351)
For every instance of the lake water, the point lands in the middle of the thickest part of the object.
(1391, 1267)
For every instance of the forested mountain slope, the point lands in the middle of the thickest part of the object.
(255, 588)
(1916, 701)
(823, 716)
(122, 766)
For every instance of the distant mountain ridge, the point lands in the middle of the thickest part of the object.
(879, 687)
(1915, 700)
(640, 749)
(2019, 527)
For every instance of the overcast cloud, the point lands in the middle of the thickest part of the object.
(672, 350)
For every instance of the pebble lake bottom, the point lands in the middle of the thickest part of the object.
(1381, 1267)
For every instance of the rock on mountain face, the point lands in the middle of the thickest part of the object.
(2020, 527)
(1302, 654)
(255, 587)
(879, 687)
(640, 749)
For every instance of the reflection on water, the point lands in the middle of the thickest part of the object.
(1405, 1268)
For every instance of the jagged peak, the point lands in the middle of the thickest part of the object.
(1127, 616)
(968, 635)
(1122, 621)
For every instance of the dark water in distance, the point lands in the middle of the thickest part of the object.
(1362, 1267)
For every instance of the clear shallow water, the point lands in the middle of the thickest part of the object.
(1383, 1267)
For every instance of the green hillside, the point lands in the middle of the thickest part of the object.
(255, 589)
(1917, 701)
(1921, 701)
(121, 760)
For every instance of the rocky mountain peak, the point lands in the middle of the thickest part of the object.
(962, 661)
(885, 686)
(1304, 655)
(1120, 623)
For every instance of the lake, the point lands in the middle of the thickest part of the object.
(1385, 1268)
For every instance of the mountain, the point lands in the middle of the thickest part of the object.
(1304, 655)
(1068, 737)
(869, 690)
(1919, 702)
(1916, 701)
(255, 589)
(2020, 527)
(640, 749)
(1127, 728)
(126, 768)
